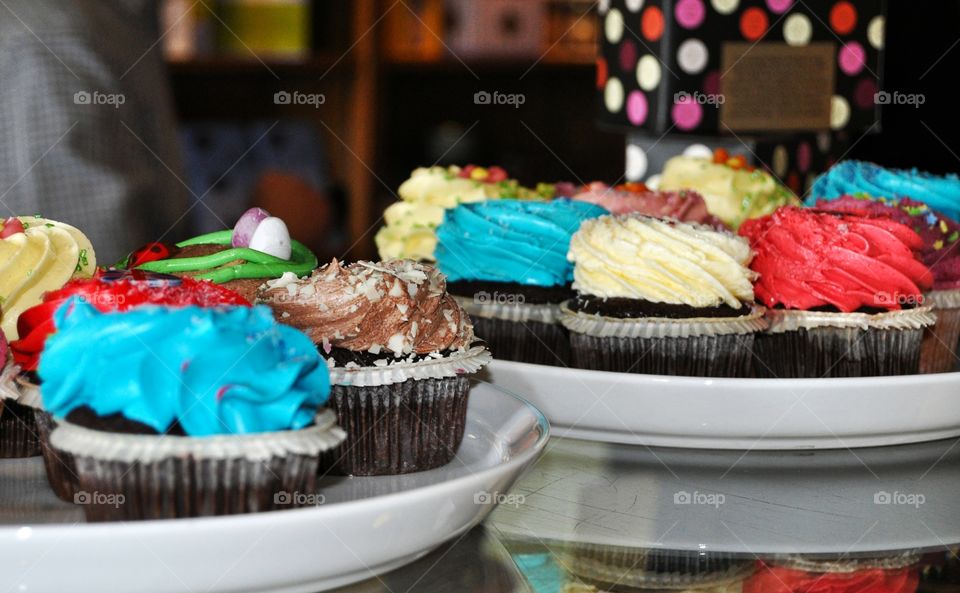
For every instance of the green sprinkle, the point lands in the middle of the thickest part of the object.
(953, 236)
(49, 225)
(82, 262)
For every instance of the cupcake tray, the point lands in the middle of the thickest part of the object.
(363, 526)
(744, 414)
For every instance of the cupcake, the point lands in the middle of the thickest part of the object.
(733, 191)
(843, 292)
(18, 432)
(661, 297)
(400, 351)
(940, 192)
(106, 291)
(186, 412)
(939, 252)
(36, 256)
(797, 574)
(506, 263)
(259, 248)
(683, 205)
(411, 223)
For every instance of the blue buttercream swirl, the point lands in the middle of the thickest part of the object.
(216, 371)
(941, 193)
(514, 241)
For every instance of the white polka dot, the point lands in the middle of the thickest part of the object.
(797, 29)
(824, 140)
(613, 26)
(603, 6)
(839, 112)
(648, 72)
(636, 163)
(725, 6)
(781, 160)
(653, 182)
(613, 95)
(875, 32)
(634, 5)
(692, 56)
(698, 151)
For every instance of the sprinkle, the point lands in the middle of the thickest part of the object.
(943, 227)
(953, 236)
(938, 244)
(222, 391)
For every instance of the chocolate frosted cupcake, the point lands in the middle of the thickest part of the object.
(507, 266)
(186, 412)
(661, 297)
(940, 252)
(844, 294)
(259, 248)
(400, 352)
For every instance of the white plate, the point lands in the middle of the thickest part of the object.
(365, 527)
(737, 413)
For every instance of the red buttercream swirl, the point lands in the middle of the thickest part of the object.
(114, 291)
(808, 259)
(775, 579)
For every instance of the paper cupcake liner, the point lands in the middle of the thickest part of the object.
(18, 431)
(132, 477)
(529, 341)
(939, 348)
(453, 365)
(697, 356)
(401, 428)
(637, 568)
(782, 320)
(660, 327)
(543, 313)
(61, 466)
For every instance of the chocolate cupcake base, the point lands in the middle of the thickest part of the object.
(18, 431)
(802, 344)
(400, 428)
(134, 477)
(532, 342)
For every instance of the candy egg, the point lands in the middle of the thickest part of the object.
(246, 225)
(272, 237)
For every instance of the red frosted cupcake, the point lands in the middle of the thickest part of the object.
(844, 294)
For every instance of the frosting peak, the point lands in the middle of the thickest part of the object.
(808, 259)
(213, 371)
(398, 306)
(661, 261)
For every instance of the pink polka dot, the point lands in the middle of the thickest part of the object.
(852, 58)
(863, 95)
(637, 108)
(690, 13)
(779, 6)
(628, 56)
(687, 114)
(711, 83)
(804, 156)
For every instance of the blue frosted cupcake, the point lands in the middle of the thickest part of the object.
(186, 412)
(939, 192)
(506, 262)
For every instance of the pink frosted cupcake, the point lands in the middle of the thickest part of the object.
(683, 205)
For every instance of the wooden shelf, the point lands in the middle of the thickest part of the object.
(493, 64)
(238, 65)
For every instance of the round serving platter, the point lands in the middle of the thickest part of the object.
(364, 526)
(771, 414)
